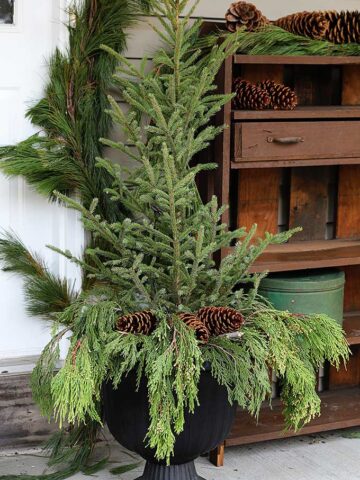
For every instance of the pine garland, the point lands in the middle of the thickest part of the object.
(273, 40)
(71, 117)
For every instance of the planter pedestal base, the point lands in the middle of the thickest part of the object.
(185, 471)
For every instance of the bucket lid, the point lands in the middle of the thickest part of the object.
(312, 281)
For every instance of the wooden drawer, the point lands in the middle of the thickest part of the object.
(279, 141)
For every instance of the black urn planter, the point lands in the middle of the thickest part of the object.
(127, 416)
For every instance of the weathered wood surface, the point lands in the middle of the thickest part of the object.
(348, 217)
(351, 85)
(340, 409)
(309, 202)
(258, 200)
(20, 421)
(258, 73)
(296, 140)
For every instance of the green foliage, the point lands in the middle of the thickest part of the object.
(273, 40)
(45, 293)
(163, 259)
(62, 156)
(124, 469)
(71, 116)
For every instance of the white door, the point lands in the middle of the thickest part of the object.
(29, 32)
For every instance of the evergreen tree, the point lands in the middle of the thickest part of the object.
(161, 259)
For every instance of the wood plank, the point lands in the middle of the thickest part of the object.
(222, 142)
(21, 424)
(216, 456)
(351, 85)
(348, 214)
(301, 112)
(307, 255)
(348, 376)
(351, 326)
(339, 409)
(258, 200)
(352, 289)
(309, 202)
(295, 60)
(241, 164)
(258, 73)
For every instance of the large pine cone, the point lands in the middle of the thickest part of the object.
(343, 27)
(250, 96)
(243, 14)
(193, 322)
(221, 320)
(282, 97)
(139, 323)
(308, 24)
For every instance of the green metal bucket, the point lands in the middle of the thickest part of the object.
(311, 292)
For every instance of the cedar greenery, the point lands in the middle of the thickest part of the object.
(160, 259)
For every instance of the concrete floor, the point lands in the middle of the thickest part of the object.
(334, 456)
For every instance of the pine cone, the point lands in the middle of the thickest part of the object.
(192, 321)
(282, 97)
(308, 24)
(343, 27)
(249, 96)
(141, 323)
(220, 320)
(243, 14)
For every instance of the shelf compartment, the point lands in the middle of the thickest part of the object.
(295, 60)
(339, 409)
(302, 112)
(307, 255)
(352, 328)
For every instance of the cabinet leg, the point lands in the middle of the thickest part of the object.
(217, 456)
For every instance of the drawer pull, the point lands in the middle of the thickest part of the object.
(285, 140)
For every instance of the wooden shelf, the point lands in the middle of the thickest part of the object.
(339, 409)
(308, 255)
(302, 112)
(294, 60)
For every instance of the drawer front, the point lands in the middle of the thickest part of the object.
(296, 140)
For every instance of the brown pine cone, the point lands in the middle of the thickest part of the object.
(192, 321)
(221, 320)
(308, 24)
(282, 97)
(344, 27)
(141, 323)
(249, 96)
(243, 14)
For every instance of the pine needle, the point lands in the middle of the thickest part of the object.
(273, 40)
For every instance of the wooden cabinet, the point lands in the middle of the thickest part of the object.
(283, 169)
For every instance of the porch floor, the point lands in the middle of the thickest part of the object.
(333, 456)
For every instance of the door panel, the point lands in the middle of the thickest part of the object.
(25, 47)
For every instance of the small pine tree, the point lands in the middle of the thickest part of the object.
(161, 259)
